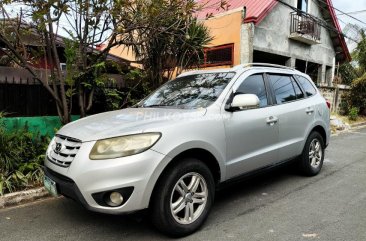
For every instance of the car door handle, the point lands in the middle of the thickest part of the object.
(271, 120)
(309, 110)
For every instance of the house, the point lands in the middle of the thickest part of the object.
(304, 34)
(34, 50)
(36, 56)
(20, 93)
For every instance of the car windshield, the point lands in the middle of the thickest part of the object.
(189, 92)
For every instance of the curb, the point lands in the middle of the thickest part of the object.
(17, 198)
(351, 127)
(358, 124)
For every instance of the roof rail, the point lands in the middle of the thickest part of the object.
(262, 65)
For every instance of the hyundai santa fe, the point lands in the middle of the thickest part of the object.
(171, 151)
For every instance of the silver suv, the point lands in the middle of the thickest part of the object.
(172, 150)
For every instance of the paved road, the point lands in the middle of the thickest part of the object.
(277, 206)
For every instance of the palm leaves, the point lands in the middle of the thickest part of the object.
(172, 41)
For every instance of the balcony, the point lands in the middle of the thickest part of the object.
(304, 28)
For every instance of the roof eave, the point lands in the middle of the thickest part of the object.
(258, 19)
(338, 27)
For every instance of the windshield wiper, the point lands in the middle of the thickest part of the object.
(147, 106)
(172, 106)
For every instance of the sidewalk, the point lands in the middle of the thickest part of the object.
(341, 124)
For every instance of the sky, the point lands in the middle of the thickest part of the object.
(351, 6)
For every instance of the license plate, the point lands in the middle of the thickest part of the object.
(50, 186)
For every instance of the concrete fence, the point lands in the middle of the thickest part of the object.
(335, 95)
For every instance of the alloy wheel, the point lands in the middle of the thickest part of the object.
(315, 153)
(188, 198)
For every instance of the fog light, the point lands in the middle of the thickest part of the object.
(115, 198)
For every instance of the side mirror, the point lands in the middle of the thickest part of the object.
(244, 101)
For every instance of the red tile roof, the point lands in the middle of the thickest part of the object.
(256, 10)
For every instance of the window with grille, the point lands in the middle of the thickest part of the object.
(219, 55)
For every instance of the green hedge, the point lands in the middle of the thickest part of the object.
(43, 125)
(23, 144)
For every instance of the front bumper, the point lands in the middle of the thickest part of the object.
(85, 178)
(66, 186)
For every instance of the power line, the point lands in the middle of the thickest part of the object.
(355, 12)
(343, 12)
(342, 34)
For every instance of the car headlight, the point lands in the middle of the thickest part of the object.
(123, 146)
(50, 146)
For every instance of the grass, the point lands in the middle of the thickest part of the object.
(345, 119)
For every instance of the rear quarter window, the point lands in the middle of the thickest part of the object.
(306, 85)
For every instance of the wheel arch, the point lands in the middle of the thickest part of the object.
(200, 153)
(318, 128)
(203, 155)
(321, 130)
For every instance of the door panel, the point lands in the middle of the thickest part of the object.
(295, 114)
(251, 135)
(293, 126)
(251, 141)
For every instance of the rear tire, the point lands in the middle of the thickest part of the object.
(312, 157)
(183, 198)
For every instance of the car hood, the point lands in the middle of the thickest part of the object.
(125, 122)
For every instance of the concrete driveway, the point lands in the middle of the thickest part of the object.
(279, 205)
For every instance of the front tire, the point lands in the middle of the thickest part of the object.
(312, 157)
(183, 198)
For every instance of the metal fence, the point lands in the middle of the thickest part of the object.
(22, 95)
(25, 99)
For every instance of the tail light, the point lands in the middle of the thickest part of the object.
(328, 103)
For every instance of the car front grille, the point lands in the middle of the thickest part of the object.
(63, 150)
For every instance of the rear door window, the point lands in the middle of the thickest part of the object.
(283, 88)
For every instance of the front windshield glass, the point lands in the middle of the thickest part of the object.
(193, 91)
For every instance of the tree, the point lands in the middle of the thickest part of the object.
(89, 24)
(162, 49)
(347, 73)
(139, 24)
(356, 97)
(165, 53)
(359, 54)
(350, 71)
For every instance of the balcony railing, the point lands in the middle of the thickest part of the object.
(304, 28)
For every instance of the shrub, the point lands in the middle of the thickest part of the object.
(343, 106)
(357, 95)
(21, 158)
(353, 113)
